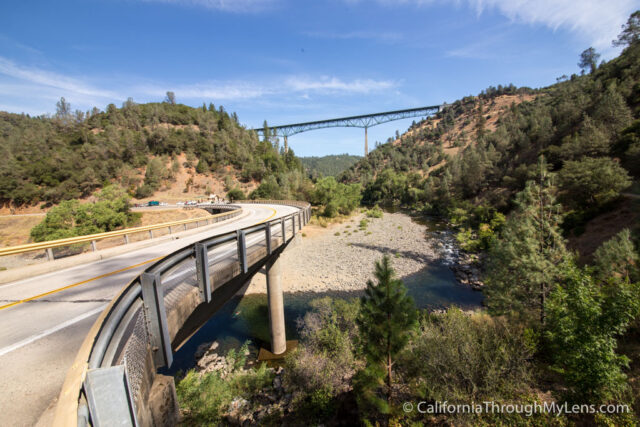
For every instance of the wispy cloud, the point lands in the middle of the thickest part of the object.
(39, 77)
(285, 86)
(237, 6)
(383, 36)
(597, 21)
(37, 89)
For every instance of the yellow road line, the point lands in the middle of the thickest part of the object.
(78, 284)
(267, 219)
(102, 276)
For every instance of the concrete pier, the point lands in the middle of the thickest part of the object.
(366, 142)
(276, 306)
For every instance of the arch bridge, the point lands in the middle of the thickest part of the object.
(363, 121)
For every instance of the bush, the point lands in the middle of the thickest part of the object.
(374, 212)
(322, 365)
(464, 358)
(71, 218)
(236, 194)
(337, 198)
(205, 397)
(585, 318)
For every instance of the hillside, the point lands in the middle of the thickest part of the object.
(331, 165)
(149, 149)
(480, 151)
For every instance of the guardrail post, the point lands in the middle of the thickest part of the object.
(93, 246)
(49, 254)
(284, 232)
(185, 227)
(293, 225)
(242, 250)
(267, 232)
(126, 239)
(109, 397)
(202, 270)
(151, 234)
(153, 300)
(169, 229)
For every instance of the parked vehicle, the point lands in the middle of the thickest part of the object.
(153, 203)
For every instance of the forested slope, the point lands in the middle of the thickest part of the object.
(331, 165)
(476, 155)
(70, 155)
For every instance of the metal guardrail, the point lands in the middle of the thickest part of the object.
(93, 238)
(138, 331)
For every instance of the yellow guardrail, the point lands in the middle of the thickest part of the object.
(13, 250)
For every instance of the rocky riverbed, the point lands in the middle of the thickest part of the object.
(341, 257)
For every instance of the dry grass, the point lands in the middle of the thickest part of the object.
(14, 230)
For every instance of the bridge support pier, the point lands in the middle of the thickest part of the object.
(286, 145)
(366, 143)
(276, 305)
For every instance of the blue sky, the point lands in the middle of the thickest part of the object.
(293, 60)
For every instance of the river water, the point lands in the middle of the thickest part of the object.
(246, 318)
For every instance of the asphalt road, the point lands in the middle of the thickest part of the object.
(39, 338)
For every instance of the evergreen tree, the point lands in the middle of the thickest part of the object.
(387, 314)
(525, 262)
(589, 60)
(630, 31)
(617, 258)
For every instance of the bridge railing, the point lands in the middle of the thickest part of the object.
(49, 246)
(112, 377)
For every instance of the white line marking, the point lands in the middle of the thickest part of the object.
(53, 330)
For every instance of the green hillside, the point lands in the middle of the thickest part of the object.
(70, 155)
(331, 165)
(586, 126)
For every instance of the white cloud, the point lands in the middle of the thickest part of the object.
(597, 21)
(333, 84)
(286, 86)
(36, 90)
(48, 79)
(223, 5)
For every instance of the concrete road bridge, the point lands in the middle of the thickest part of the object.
(364, 121)
(110, 324)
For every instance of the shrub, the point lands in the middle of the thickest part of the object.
(236, 194)
(322, 365)
(205, 397)
(463, 358)
(70, 218)
(374, 212)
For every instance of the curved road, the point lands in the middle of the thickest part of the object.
(39, 338)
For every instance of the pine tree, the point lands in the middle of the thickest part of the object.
(387, 314)
(525, 263)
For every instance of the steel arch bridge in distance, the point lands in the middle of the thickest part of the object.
(363, 121)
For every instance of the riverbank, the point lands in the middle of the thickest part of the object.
(341, 257)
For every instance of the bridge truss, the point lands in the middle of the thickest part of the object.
(363, 121)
